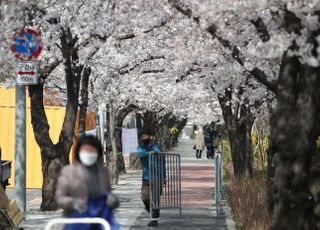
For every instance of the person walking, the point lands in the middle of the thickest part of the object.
(145, 148)
(84, 189)
(208, 139)
(199, 144)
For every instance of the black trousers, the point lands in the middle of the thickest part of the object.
(198, 153)
(210, 151)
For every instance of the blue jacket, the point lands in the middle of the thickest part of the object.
(96, 208)
(143, 153)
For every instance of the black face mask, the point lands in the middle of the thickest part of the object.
(146, 142)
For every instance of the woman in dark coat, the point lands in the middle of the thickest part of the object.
(84, 180)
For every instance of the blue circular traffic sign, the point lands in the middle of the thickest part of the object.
(27, 44)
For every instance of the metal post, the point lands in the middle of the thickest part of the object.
(150, 184)
(20, 148)
(217, 183)
(180, 196)
(101, 130)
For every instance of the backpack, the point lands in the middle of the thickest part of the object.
(208, 137)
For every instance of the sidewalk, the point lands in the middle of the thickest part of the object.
(35, 219)
(197, 199)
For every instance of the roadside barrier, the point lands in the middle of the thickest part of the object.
(218, 184)
(165, 181)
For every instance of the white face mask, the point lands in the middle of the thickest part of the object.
(88, 159)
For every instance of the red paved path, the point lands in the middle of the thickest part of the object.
(197, 184)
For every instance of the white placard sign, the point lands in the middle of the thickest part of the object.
(27, 73)
(129, 140)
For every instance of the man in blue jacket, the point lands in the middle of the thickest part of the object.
(145, 148)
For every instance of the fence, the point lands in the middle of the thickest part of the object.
(165, 181)
(218, 184)
(55, 117)
(57, 221)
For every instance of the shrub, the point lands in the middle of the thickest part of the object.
(248, 200)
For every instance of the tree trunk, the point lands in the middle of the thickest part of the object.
(41, 132)
(271, 163)
(164, 137)
(294, 130)
(115, 120)
(112, 135)
(238, 152)
(139, 121)
(239, 132)
(120, 116)
(108, 149)
(55, 156)
(50, 171)
(249, 154)
(84, 101)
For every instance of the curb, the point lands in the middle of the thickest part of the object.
(231, 225)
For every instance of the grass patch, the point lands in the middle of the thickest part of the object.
(246, 197)
(248, 200)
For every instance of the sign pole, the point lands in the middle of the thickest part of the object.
(20, 148)
(27, 46)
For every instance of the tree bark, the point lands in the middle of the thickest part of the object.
(294, 130)
(84, 101)
(112, 135)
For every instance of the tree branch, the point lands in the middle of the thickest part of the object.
(292, 23)
(153, 71)
(261, 29)
(123, 71)
(89, 40)
(262, 78)
(58, 87)
(45, 72)
(184, 10)
(132, 35)
(190, 71)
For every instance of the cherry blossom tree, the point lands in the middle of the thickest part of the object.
(71, 37)
(276, 43)
(169, 60)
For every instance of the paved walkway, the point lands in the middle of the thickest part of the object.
(197, 199)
